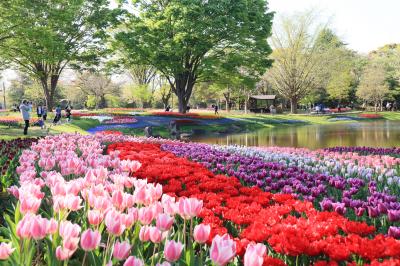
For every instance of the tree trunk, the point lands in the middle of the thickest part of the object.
(293, 106)
(184, 84)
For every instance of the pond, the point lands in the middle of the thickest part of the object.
(374, 134)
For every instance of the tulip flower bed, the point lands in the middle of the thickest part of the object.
(140, 205)
(77, 206)
(9, 155)
(187, 115)
(357, 198)
(121, 120)
(395, 152)
(294, 230)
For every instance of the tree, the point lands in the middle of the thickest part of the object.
(141, 74)
(372, 88)
(98, 86)
(52, 34)
(186, 40)
(296, 58)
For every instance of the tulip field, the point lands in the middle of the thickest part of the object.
(112, 199)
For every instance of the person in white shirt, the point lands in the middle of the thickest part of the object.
(25, 112)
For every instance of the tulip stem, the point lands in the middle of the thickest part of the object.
(84, 259)
(154, 254)
(184, 233)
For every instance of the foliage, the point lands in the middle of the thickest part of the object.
(186, 40)
(373, 88)
(52, 34)
(97, 86)
(140, 95)
(296, 58)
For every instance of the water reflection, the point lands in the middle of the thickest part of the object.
(374, 134)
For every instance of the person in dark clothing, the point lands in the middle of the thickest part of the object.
(68, 110)
(167, 109)
(215, 109)
(58, 115)
(187, 108)
(39, 110)
(44, 113)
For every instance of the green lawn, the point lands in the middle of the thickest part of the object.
(243, 122)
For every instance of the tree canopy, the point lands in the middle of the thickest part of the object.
(186, 40)
(53, 34)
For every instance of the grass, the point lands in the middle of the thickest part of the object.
(76, 126)
(240, 123)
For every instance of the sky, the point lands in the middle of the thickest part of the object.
(364, 25)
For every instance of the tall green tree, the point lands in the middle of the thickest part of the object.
(373, 87)
(50, 35)
(186, 40)
(296, 57)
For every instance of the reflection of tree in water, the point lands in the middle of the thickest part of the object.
(375, 134)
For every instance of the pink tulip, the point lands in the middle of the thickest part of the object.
(144, 234)
(71, 243)
(90, 240)
(254, 255)
(155, 234)
(146, 215)
(169, 205)
(172, 250)
(164, 222)
(130, 166)
(63, 254)
(5, 251)
(189, 208)
(222, 250)
(118, 199)
(38, 227)
(29, 203)
(133, 261)
(121, 250)
(114, 222)
(201, 233)
(69, 230)
(95, 217)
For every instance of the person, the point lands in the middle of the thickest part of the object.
(44, 113)
(167, 109)
(30, 106)
(68, 110)
(317, 108)
(39, 110)
(187, 108)
(388, 106)
(58, 115)
(25, 112)
(215, 109)
(394, 106)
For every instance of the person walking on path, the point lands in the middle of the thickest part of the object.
(39, 110)
(58, 115)
(68, 110)
(25, 109)
(215, 109)
(44, 113)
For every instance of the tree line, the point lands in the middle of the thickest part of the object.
(194, 51)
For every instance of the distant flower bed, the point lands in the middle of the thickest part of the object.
(183, 122)
(370, 116)
(336, 110)
(120, 120)
(15, 121)
(191, 115)
(366, 150)
(109, 132)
